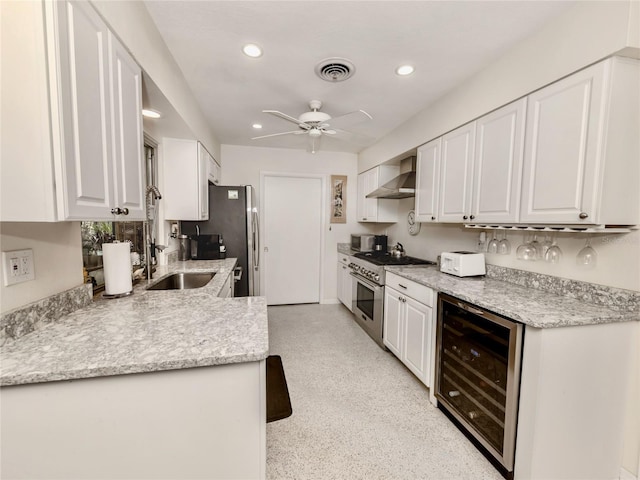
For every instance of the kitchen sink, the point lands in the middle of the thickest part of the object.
(182, 281)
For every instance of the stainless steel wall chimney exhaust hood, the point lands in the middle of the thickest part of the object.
(403, 186)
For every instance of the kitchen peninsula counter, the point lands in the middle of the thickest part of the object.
(147, 331)
(532, 307)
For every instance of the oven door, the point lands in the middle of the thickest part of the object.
(367, 303)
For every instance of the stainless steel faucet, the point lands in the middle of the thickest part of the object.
(151, 193)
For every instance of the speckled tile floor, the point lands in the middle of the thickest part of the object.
(358, 413)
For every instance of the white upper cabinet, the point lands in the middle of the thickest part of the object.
(186, 174)
(428, 181)
(215, 171)
(376, 209)
(498, 165)
(456, 174)
(581, 153)
(82, 120)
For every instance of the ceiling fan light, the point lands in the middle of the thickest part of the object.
(404, 70)
(252, 50)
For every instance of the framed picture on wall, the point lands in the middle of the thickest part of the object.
(338, 199)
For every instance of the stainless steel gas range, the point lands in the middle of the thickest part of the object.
(367, 270)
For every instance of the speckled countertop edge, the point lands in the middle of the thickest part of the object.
(145, 332)
(532, 307)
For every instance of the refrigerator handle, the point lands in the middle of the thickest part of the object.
(256, 240)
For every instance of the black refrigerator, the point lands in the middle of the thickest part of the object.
(233, 216)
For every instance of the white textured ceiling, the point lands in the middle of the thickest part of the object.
(446, 41)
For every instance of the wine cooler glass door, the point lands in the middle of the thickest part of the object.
(478, 373)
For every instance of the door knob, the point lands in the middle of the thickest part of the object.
(583, 215)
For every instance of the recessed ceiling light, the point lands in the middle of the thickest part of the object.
(252, 50)
(404, 70)
(257, 126)
(147, 112)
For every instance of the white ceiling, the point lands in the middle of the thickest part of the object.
(446, 41)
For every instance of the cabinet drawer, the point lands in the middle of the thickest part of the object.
(344, 259)
(410, 288)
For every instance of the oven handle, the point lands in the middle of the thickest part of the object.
(366, 282)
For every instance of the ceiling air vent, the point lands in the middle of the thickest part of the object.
(335, 69)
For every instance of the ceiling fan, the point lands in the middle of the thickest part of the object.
(316, 124)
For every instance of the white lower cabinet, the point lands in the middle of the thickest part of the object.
(345, 293)
(408, 324)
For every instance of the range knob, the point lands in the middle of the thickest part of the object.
(376, 277)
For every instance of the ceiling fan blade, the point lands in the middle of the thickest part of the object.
(286, 117)
(350, 118)
(294, 132)
(356, 138)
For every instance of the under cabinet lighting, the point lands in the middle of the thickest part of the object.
(404, 70)
(257, 126)
(147, 112)
(252, 50)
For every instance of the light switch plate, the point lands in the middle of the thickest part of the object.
(17, 266)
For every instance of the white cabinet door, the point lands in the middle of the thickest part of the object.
(417, 338)
(214, 171)
(392, 327)
(456, 171)
(186, 173)
(367, 207)
(498, 164)
(80, 96)
(126, 94)
(561, 150)
(428, 181)
(203, 182)
(345, 294)
(376, 209)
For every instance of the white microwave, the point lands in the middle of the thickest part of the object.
(462, 264)
(362, 243)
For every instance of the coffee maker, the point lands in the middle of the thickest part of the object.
(380, 243)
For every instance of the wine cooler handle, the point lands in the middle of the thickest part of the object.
(470, 309)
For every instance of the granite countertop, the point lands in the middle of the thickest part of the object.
(145, 332)
(532, 307)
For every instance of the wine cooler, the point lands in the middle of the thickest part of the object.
(478, 375)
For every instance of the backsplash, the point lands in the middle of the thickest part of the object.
(614, 298)
(23, 320)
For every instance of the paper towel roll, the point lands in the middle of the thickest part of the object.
(117, 268)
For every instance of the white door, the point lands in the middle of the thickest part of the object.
(417, 338)
(292, 214)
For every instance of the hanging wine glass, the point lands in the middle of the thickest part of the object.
(504, 247)
(526, 251)
(587, 257)
(553, 254)
(493, 244)
(546, 245)
(537, 246)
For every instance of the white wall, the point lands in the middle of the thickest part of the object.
(57, 258)
(242, 165)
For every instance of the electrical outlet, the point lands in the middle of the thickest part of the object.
(17, 266)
